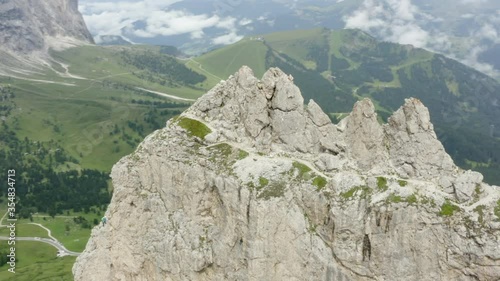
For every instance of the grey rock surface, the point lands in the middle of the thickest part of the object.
(29, 25)
(276, 191)
(413, 145)
(364, 136)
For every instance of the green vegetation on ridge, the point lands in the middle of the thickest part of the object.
(225, 62)
(448, 209)
(193, 127)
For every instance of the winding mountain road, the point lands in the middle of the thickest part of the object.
(165, 95)
(61, 250)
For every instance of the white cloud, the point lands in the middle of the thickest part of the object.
(197, 34)
(402, 22)
(161, 23)
(226, 23)
(393, 19)
(227, 39)
(113, 17)
(404, 9)
(488, 31)
(472, 60)
(473, 1)
(409, 34)
(245, 21)
(366, 18)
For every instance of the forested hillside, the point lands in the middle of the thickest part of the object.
(63, 137)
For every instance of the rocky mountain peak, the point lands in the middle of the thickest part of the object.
(27, 26)
(269, 115)
(250, 184)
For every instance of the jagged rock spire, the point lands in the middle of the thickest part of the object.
(413, 146)
(276, 191)
(269, 114)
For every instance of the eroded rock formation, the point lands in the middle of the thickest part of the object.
(32, 25)
(250, 184)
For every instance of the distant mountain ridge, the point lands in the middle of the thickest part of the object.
(469, 32)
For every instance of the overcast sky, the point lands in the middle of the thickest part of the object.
(112, 16)
(403, 22)
(400, 21)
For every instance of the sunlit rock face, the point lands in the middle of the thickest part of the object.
(251, 184)
(30, 25)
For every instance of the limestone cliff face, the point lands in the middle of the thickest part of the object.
(34, 25)
(250, 184)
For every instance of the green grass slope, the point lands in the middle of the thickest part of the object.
(89, 109)
(64, 126)
(62, 129)
(37, 262)
(82, 119)
(226, 61)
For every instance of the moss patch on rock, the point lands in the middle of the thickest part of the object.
(242, 154)
(382, 184)
(304, 172)
(393, 198)
(448, 209)
(365, 192)
(319, 182)
(224, 156)
(412, 199)
(263, 182)
(480, 212)
(497, 210)
(193, 127)
(274, 189)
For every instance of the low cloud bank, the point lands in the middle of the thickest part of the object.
(150, 18)
(403, 22)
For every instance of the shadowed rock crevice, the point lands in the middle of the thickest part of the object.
(367, 248)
